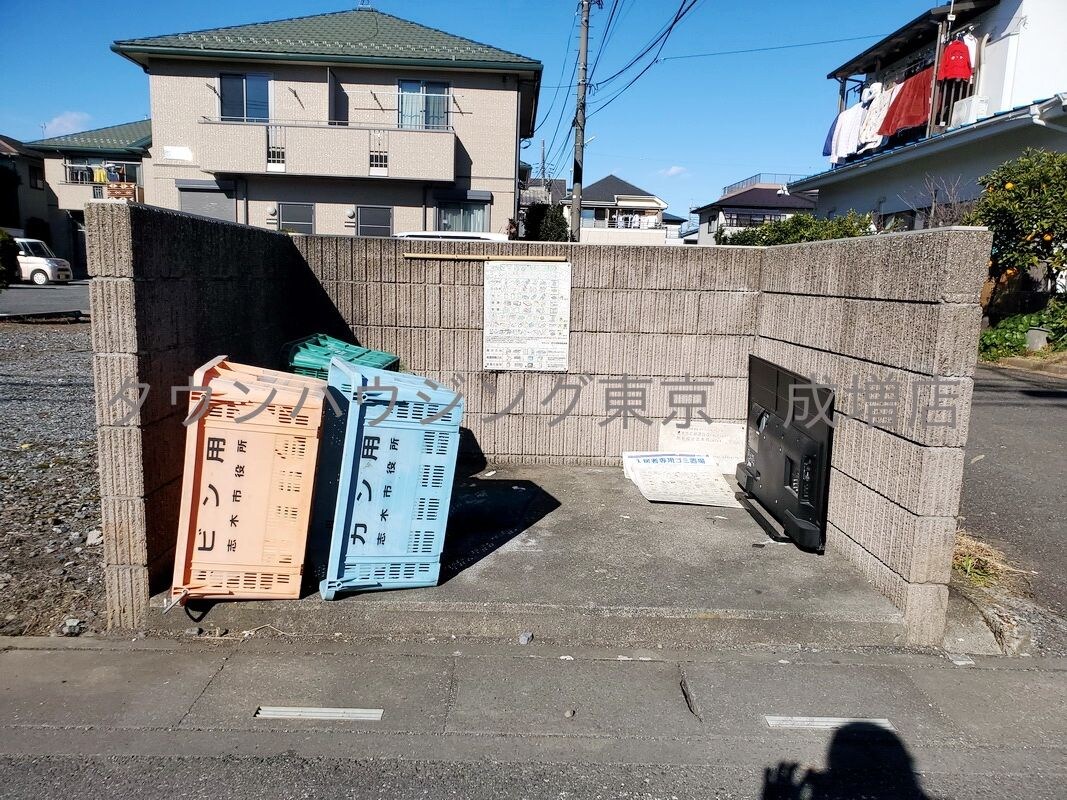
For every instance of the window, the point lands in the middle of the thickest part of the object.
(296, 217)
(751, 219)
(36, 177)
(461, 217)
(423, 105)
(374, 221)
(244, 98)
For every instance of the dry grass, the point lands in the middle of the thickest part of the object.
(982, 564)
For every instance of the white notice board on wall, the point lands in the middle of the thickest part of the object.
(527, 316)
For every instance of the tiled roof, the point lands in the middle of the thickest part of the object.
(363, 33)
(605, 190)
(762, 197)
(11, 147)
(127, 136)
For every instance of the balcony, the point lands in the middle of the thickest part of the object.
(322, 149)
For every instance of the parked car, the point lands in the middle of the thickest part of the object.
(39, 265)
(453, 236)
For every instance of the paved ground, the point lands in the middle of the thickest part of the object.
(25, 298)
(576, 554)
(1013, 489)
(156, 719)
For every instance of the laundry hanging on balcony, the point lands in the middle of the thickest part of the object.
(881, 99)
(956, 62)
(911, 108)
(847, 132)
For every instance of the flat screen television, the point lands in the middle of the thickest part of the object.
(789, 436)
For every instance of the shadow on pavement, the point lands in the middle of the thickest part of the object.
(863, 761)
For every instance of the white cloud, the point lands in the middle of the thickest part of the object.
(67, 122)
(673, 172)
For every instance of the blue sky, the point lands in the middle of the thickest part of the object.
(685, 129)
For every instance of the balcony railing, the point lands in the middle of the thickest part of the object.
(627, 223)
(326, 149)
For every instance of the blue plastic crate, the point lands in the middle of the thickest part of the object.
(393, 479)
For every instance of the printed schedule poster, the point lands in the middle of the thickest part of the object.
(527, 307)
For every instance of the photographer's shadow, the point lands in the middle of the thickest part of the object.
(864, 760)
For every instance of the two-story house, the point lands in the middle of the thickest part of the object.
(22, 188)
(940, 102)
(748, 203)
(99, 164)
(615, 211)
(355, 122)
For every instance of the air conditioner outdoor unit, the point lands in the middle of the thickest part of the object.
(968, 110)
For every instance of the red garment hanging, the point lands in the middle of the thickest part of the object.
(911, 107)
(955, 62)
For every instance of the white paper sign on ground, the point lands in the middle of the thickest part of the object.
(723, 441)
(527, 315)
(679, 478)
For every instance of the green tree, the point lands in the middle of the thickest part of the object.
(546, 223)
(800, 228)
(1024, 203)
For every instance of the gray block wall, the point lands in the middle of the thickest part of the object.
(171, 291)
(888, 311)
(655, 314)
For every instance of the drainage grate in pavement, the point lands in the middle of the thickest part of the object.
(319, 712)
(824, 723)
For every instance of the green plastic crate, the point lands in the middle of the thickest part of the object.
(311, 356)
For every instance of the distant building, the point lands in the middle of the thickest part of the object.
(985, 79)
(100, 164)
(23, 191)
(617, 212)
(748, 203)
(354, 122)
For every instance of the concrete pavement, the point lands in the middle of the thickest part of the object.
(25, 298)
(158, 718)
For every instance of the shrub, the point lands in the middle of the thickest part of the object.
(1008, 337)
(800, 228)
(1024, 203)
(546, 223)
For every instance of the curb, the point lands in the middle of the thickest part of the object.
(44, 316)
(1026, 365)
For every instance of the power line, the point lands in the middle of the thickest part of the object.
(615, 4)
(566, 52)
(679, 15)
(658, 39)
(778, 47)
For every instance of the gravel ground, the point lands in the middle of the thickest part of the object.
(51, 550)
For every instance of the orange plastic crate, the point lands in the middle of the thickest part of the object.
(248, 481)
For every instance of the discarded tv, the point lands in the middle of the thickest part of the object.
(787, 450)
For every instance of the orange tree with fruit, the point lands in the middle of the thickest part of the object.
(1024, 203)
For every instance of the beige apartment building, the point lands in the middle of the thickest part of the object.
(355, 122)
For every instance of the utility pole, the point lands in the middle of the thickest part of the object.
(579, 125)
(543, 164)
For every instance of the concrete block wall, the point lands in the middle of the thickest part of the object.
(898, 310)
(653, 314)
(169, 292)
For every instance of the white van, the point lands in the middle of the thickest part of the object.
(39, 265)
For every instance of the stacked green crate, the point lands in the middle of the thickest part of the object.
(311, 356)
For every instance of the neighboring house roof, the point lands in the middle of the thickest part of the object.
(761, 197)
(11, 147)
(911, 37)
(608, 188)
(129, 137)
(557, 188)
(361, 35)
(674, 219)
(1037, 113)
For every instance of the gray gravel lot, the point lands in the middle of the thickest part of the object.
(51, 550)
